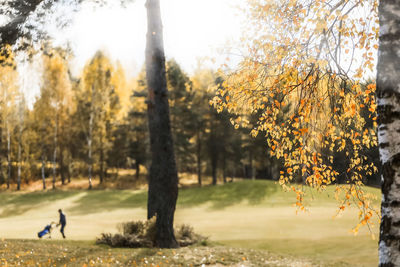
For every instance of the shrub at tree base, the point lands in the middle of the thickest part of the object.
(137, 234)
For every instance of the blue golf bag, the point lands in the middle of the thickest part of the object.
(45, 231)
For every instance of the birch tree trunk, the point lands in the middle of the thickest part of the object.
(8, 156)
(163, 177)
(43, 172)
(62, 166)
(19, 159)
(388, 95)
(90, 137)
(101, 159)
(55, 152)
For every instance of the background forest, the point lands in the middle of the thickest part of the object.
(94, 125)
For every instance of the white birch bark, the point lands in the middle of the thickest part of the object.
(388, 95)
(19, 157)
(43, 172)
(55, 152)
(90, 149)
(8, 156)
(90, 138)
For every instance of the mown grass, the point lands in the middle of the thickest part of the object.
(221, 197)
(255, 217)
(18, 203)
(338, 251)
(218, 197)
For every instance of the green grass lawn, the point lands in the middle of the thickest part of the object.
(251, 217)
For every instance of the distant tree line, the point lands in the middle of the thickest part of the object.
(85, 126)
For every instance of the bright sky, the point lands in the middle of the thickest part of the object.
(192, 29)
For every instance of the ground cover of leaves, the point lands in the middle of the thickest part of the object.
(84, 253)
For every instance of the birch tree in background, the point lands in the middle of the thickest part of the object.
(9, 90)
(21, 126)
(97, 109)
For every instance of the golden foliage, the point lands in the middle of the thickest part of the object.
(9, 89)
(302, 72)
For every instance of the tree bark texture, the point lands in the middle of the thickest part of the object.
(163, 177)
(388, 95)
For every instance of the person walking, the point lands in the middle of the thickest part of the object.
(62, 222)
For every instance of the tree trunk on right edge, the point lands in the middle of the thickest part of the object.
(388, 96)
(163, 177)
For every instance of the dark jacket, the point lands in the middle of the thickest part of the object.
(63, 221)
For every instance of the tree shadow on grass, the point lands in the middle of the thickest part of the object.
(16, 204)
(100, 201)
(219, 197)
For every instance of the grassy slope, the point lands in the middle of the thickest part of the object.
(248, 214)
